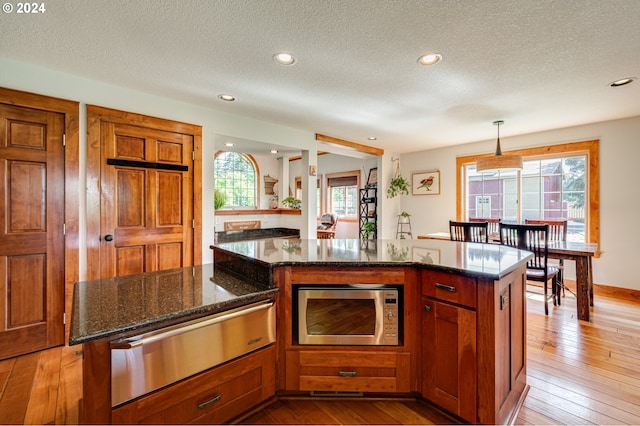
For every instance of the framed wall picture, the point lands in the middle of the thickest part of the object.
(372, 179)
(425, 183)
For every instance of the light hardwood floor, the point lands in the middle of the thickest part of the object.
(579, 373)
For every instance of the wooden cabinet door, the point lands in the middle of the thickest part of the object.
(147, 199)
(449, 368)
(31, 230)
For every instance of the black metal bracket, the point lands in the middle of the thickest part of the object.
(147, 165)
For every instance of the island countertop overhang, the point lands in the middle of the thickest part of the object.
(478, 260)
(132, 303)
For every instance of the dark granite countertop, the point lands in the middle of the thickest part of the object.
(475, 259)
(254, 234)
(103, 308)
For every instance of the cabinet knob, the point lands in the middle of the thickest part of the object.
(427, 308)
(108, 237)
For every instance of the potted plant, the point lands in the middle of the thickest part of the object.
(398, 186)
(218, 199)
(291, 202)
(403, 217)
(274, 201)
(367, 229)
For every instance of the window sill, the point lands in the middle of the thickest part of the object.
(257, 211)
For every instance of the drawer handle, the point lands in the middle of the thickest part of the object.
(347, 373)
(213, 400)
(445, 287)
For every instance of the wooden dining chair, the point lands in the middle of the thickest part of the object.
(534, 238)
(557, 232)
(493, 222)
(476, 232)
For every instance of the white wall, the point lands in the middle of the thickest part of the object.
(619, 194)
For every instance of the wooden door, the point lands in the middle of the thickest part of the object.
(31, 230)
(146, 199)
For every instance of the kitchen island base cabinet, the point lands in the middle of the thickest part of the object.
(348, 371)
(212, 397)
(474, 344)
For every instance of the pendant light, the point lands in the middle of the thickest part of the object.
(499, 162)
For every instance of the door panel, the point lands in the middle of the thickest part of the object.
(31, 230)
(147, 209)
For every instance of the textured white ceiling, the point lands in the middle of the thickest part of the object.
(537, 65)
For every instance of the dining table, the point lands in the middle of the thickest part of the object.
(579, 252)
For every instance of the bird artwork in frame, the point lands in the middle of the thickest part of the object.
(426, 183)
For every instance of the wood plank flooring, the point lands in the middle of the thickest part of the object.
(579, 373)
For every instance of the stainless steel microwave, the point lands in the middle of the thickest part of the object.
(359, 314)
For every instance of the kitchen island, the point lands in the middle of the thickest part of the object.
(461, 329)
(461, 345)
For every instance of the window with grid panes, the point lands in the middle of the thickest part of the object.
(235, 175)
(547, 188)
(343, 194)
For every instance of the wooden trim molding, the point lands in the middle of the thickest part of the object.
(590, 148)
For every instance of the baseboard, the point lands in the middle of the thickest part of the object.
(600, 290)
(616, 292)
(412, 396)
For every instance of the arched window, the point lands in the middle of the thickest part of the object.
(236, 176)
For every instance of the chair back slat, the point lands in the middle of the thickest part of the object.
(557, 228)
(476, 232)
(493, 222)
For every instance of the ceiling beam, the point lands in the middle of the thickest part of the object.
(351, 145)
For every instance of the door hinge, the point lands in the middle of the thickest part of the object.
(64, 318)
(64, 139)
(193, 156)
(193, 223)
(64, 229)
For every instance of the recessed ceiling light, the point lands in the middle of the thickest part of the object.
(622, 82)
(429, 59)
(229, 144)
(284, 58)
(372, 138)
(274, 151)
(227, 98)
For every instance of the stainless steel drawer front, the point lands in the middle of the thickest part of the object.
(150, 361)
